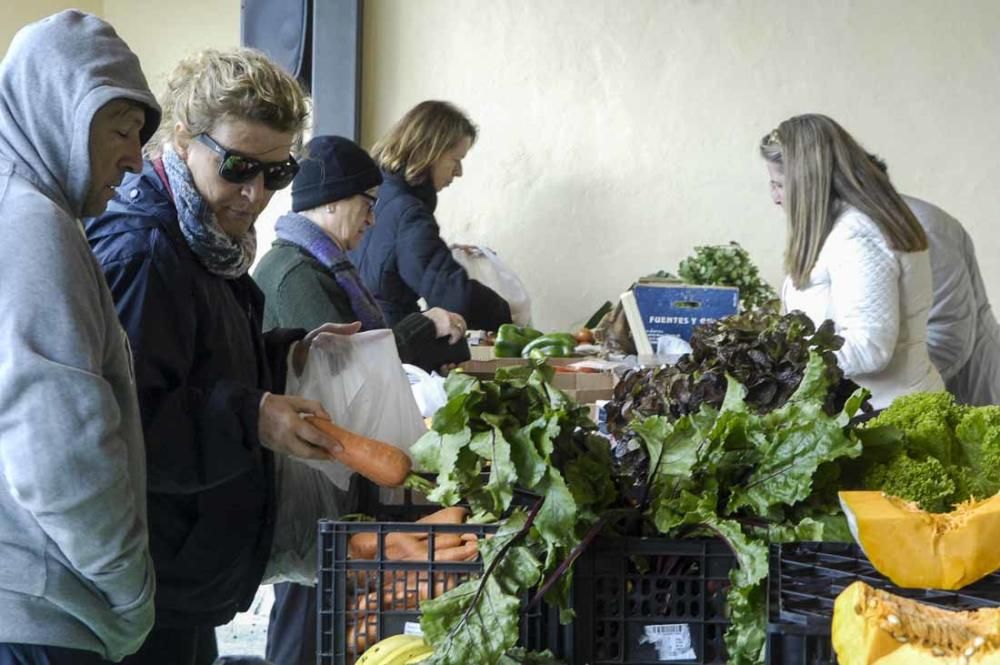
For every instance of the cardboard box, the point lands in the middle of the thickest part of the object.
(487, 368)
(481, 352)
(586, 387)
(589, 397)
(583, 387)
(584, 380)
(670, 308)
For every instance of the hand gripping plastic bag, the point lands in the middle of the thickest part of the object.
(360, 382)
(484, 266)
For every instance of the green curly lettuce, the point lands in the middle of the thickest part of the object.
(979, 436)
(928, 421)
(926, 481)
(927, 448)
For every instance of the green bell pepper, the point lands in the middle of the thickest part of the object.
(554, 351)
(564, 340)
(512, 339)
(507, 349)
(511, 333)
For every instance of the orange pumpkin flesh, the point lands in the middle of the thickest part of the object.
(920, 550)
(873, 627)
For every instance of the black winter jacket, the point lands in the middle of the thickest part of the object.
(201, 366)
(403, 258)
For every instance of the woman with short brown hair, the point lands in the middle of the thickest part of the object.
(403, 258)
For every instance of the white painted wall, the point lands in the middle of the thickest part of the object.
(162, 32)
(616, 135)
(16, 14)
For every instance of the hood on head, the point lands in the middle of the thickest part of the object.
(56, 75)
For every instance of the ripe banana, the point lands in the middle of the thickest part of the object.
(376, 653)
(396, 650)
(420, 654)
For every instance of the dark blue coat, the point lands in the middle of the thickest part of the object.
(403, 258)
(201, 367)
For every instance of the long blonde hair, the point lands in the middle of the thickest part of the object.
(420, 138)
(240, 83)
(825, 169)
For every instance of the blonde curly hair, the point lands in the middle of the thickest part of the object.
(239, 83)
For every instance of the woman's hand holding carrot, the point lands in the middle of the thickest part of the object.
(281, 428)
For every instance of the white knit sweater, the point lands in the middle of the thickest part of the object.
(878, 299)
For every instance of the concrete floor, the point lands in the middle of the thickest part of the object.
(246, 634)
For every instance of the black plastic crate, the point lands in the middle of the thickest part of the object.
(381, 595)
(407, 505)
(805, 648)
(640, 600)
(805, 580)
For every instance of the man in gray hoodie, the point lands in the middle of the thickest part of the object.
(76, 578)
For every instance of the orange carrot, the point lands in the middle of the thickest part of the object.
(379, 462)
(364, 545)
(399, 595)
(467, 551)
(403, 591)
(403, 545)
(395, 597)
(452, 515)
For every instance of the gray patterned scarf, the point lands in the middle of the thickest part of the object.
(220, 254)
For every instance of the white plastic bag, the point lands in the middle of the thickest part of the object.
(669, 348)
(360, 381)
(484, 266)
(305, 496)
(428, 390)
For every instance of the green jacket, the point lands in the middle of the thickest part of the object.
(300, 292)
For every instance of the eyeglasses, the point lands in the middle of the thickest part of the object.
(371, 201)
(237, 168)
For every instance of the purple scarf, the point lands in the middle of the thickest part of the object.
(302, 232)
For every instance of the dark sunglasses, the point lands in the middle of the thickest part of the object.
(238, 168)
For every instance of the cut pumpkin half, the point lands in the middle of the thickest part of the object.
(873, 627)
(920, 550)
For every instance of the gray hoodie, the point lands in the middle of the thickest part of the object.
(75, 569)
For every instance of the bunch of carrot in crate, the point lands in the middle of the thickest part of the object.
(387, 590)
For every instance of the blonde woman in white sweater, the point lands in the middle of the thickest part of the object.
(854, 254)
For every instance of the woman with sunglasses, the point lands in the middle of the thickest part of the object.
(175, 246)
(403, 258)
